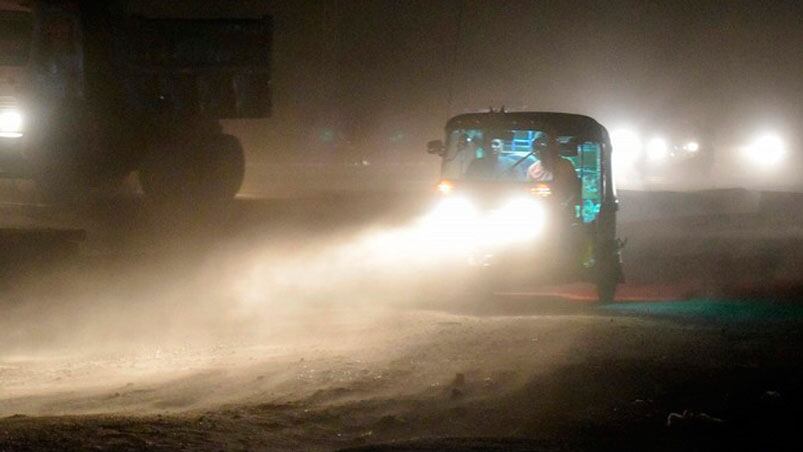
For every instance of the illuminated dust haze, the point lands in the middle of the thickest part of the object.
(339, 300)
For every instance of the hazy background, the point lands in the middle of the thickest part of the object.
(368, 79)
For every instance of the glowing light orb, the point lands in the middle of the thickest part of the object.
(657, 149)
(767, 151)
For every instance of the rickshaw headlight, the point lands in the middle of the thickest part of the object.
(453, 210)
(519, 218)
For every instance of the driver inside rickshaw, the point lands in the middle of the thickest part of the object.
(559, 174)
(552, 169)
(491, 163)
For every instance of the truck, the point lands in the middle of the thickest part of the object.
(91, 93)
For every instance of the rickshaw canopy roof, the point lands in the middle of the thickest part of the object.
(579, 126)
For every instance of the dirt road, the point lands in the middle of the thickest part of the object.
(592, 379)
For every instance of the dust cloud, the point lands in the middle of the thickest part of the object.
(101, 319)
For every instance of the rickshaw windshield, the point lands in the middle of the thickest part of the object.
(511, 156)
(502, 155)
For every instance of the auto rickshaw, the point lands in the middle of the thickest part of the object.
(525, 218)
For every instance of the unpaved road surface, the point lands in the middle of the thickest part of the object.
(593, 380)
(248, 339)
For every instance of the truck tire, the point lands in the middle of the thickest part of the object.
(200, 175)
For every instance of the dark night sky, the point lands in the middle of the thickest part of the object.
(370, 70)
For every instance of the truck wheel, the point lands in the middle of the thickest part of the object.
(225, 169)
(209, 175)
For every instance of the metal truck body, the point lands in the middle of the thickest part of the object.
(89, 93)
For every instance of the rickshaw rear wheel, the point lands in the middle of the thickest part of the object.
(606, 290)
(608, 276)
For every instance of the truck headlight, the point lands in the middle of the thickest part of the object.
(10, 124)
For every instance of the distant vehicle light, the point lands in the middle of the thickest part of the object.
(691, 146)
(445, 187)
(626, 141)
(767, 150)
(657, 149)
(626, 148)
(11, 122)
